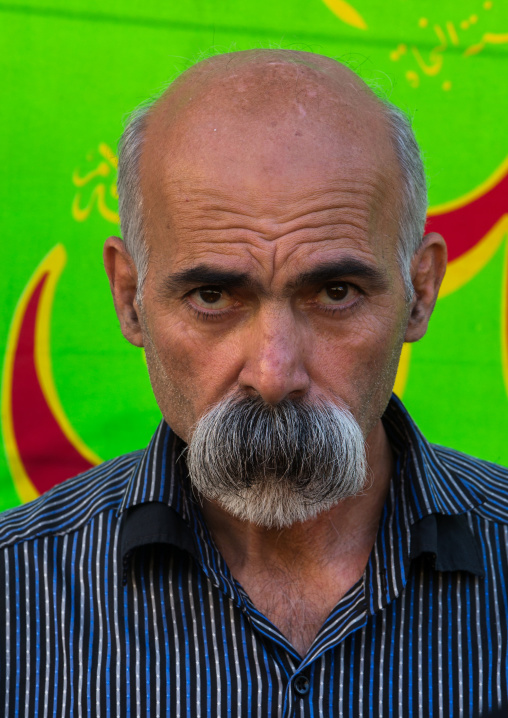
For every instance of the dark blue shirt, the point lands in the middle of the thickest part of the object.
(116, 602)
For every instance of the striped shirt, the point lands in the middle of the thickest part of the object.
(116, 601)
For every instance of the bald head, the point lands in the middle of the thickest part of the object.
(263, 107)
(270, 111)
(252, 82)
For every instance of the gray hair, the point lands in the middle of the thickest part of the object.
(413, 202)
(130, 199)
(276, 465)
(412, 209)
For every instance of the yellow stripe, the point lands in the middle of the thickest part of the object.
(402, 371)
(482, 189)
(346, 13)
(504, 321)
(464, 268)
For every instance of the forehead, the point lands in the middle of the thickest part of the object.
(274, 238)
(278, 159)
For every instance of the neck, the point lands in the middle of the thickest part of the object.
(322, 557)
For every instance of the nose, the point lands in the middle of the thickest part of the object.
(274, 360)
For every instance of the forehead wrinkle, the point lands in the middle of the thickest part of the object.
(203, 253)
(327, 250)
(355, 209)
(226, 243)
(356, 218)
(370, 182)
(343, 225)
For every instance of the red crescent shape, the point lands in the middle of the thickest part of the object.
(464, 226)
(47, 455)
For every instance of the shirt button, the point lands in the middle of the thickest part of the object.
(301, 685)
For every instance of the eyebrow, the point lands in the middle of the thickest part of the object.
(204, 275)
(349, 267)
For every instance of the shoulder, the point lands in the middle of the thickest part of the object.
(489, 480)
(71, 504)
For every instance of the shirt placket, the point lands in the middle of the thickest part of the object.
(301, 695)
(303, 690)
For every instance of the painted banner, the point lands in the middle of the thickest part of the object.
(74, 392)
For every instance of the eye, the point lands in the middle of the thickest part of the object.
(337, 293)
(211, 297)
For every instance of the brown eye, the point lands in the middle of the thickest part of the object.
(211, 298)
(337, 292)
(210, 295)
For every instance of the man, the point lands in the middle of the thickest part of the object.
(292, 545)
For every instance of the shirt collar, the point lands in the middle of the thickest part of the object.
(160, 474)
(155, 504)
(448, 542)
(427, 484)
(424, 516)
(159, 506)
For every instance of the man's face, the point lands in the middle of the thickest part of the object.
(273, 268)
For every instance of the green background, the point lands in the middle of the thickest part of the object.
(71, 71)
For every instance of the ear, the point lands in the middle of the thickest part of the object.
(123, 280)
(428, 267)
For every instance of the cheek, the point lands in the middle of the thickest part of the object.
(169, 388)
(375, 383)
(360, 367)
(189, 372)
(172, 375)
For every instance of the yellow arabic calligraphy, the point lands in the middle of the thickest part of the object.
(489, 38)
(452, 32)
(432, 62)
(97, 198)
(435, 62)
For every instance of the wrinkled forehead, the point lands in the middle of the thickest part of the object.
(266, 121)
